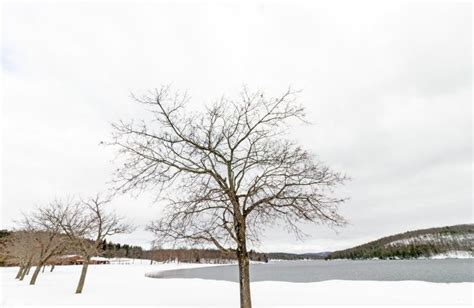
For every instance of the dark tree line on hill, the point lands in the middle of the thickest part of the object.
(414, 244)
(115, 250)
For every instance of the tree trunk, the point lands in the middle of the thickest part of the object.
(20, 271)
(82, 279)
(244, 279)
(35, 274)
(44, 266)
(26, 270)
(52, 267)
(23, 274)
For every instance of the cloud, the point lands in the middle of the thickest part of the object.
(387, 86)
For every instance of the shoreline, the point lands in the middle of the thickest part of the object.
(126, 285)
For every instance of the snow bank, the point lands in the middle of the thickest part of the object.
(126, 284)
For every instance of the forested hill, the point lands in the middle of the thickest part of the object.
(415, 244)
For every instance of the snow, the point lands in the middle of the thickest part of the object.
(454, 255)
(126, 284)
(435, 239)
(67, 256)
(99, 259)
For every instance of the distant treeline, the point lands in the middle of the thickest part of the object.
(199, 255)
(414, 244)
(294, 256)
(116, 250)
(113, 250)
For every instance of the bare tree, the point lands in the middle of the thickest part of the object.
(48, 240)
(87, 223)
(225, 172)
(18, 247)
(47, 244)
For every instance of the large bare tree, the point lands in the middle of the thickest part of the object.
(87, 223)
(225, 172)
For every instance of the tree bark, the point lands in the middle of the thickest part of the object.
(44, 266)
(35, 274)
(82, 279)
(23, 274)
(20, 271)
(26, 270)
(52, 267)
(244, 279)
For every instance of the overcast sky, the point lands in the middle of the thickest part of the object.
(388, 88)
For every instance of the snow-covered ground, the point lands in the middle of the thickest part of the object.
(126, 284)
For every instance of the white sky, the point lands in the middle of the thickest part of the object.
(388, 88)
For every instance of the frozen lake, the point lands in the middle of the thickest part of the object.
(447, 270)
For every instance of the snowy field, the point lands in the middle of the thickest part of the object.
(126, 284)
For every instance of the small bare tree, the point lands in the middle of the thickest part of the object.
(48, 240)
(18, 247)
(87, 223)
(227, 171)
(47, 245)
